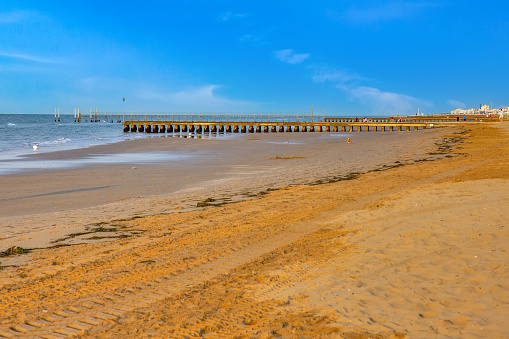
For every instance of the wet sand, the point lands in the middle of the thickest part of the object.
(228, 168)
(418, 250)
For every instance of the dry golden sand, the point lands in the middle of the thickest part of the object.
(413, 251)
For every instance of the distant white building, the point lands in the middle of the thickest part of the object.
(460, 111)
(483, 109)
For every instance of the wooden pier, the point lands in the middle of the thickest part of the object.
(264, 123)
(325, 125)
(299, 122)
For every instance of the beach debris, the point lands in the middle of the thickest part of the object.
(277, 157)
(133, 167)
(208, 202)
(14, 250)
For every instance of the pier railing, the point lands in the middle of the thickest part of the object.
(95, 116)
(212, 117)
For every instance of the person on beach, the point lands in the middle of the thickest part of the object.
(501, 116)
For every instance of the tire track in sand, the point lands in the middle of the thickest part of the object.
(88, 312)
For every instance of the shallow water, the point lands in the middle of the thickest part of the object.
(23, 135)
(19, 133)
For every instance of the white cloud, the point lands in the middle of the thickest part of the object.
(340, 77)
(288, 56)
(391, 10)
(14, 16)
(387, 102)
(144, 97)
(456, 103)
(254, 38)
(381, 102)
(28, 57)
(201, 98)
(228, 15)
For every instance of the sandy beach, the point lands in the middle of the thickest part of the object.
(395, 235)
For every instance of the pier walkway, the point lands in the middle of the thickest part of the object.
(228, 124)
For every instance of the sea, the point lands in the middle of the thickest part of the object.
(19, 133)
(24, 134)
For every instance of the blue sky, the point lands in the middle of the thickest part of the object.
(342, 57)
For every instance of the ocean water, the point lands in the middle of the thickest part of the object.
(19, 133)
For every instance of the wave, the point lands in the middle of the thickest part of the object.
(11, 124)
(55, 142)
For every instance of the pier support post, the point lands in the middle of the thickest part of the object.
(359, 128)
(236, 129)
(177, 128)
(251, 129)
(214, 129)
(126, 128)
(281, 128)
(169, 129)
(148, 129)
(243, 129)
(304, 129)
(350, 128)
(162, 129)
(221, 129)
(141, 128)
(408, 128)
(155, 129)
(273, 129)
(258, 129)
(265, 129)
(184, 128)
(207, 129)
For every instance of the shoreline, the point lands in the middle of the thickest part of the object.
(417, 251)
(84, 196)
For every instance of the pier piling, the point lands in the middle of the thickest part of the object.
(286, 124)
